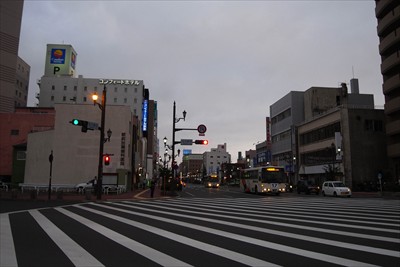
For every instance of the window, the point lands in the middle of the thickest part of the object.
(135, 100)
(126, 90)
(52, 98)
(95, 88)
(53, 87)
(21, 155)
(135, 89)
(85, 88)
(115, 100)
(84, 99)
(75, 88)
(14, 132)
(125, 100)
(64, 98)
(65, 88)
(115, 89)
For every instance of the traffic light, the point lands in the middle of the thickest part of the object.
(201, 142)
(107, 159)
(82, 123)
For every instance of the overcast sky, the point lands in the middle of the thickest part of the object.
(224, 62)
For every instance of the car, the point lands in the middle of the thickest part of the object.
(335, 188)
(82, 187)
(213, 184)
(307, 187)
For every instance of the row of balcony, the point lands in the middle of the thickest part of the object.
(390, 62)
(391, 84)
(390, 18)
(392, 105)
(390, 40)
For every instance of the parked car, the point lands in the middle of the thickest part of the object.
(82, 187)
(335, 188)
(307, 187)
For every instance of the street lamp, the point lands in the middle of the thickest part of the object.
(175, 120)
(102, 107)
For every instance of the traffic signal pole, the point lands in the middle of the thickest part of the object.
(173, 139)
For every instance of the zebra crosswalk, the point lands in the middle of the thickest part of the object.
(206, 232)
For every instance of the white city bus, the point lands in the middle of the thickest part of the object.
(267, 179)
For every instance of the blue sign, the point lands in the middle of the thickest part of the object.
(145, 115)
(187, 152)
(57, 56)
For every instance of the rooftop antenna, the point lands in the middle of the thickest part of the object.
(352, 69)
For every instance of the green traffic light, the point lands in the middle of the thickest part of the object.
(75, 122)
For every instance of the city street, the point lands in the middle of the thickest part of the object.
(224, 227)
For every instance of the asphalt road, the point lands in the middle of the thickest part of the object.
(206, 227)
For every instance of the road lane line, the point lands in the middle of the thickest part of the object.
(266, 221)
(281, 233)
(78, 255)
(143, 250)
(7, 251)
(231, 255)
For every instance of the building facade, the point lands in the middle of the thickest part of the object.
(214, 159)
(285, 114)
(343, 144)
(388, 29)
(76, 153)
(13, 91)
(14, 130)
(60, 84)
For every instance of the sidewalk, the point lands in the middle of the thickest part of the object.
(76, 197)
(11, 201)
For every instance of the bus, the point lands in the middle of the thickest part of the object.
(267, 179)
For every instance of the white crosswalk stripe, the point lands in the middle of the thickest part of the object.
(232, 231)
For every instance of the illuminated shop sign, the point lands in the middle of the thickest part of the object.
(57, 56)
(120, 82)
(73, 60)
(145, 114)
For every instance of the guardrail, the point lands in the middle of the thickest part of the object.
(45, 188)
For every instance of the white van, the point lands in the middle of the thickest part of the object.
(335, 188)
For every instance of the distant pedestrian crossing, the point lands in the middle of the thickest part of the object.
(267, 231)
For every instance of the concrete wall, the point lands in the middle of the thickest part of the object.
(76, 154)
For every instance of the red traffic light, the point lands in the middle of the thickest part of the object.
(107, 160)
(201, 142)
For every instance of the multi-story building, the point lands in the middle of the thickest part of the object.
(14, 78)
(344, 143)
(388, 15)
(76, 153)
(214, 159)
(300, 108)
(14, 130)
(192, 166)
(60, 84)
(285, 114)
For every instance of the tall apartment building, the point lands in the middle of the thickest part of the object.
(13, 81)
(388, 16)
